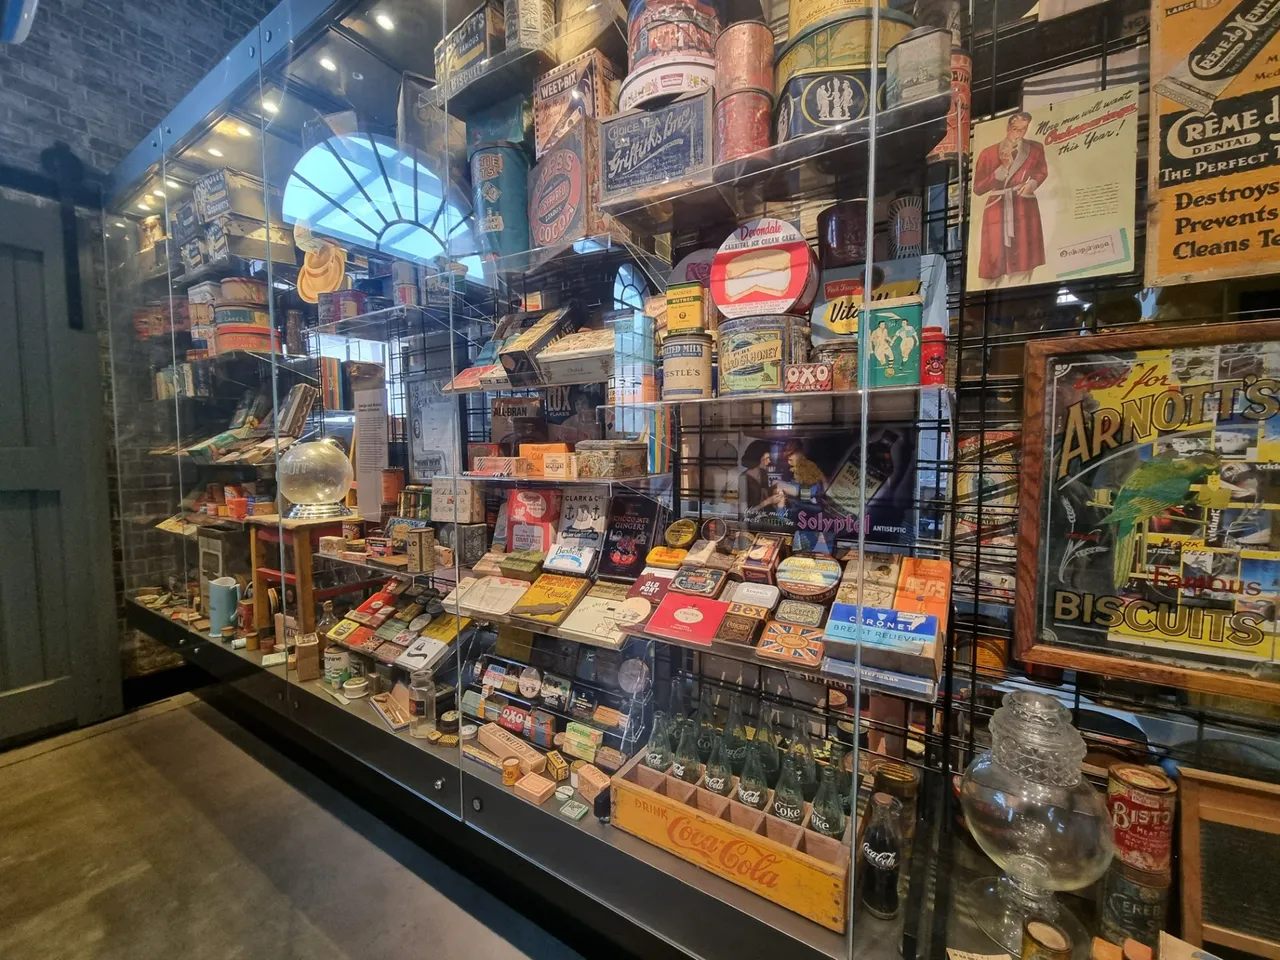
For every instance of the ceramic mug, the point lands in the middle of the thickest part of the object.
(224, 595)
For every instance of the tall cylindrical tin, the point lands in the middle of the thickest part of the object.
(1132, 905)
(744, 58)
(500, 195)
(933, 357)
(742, 124)
(956, 140)
(686, 366)
(842, 42)
(659, 30)
(1142, 801)
(842, 234)
(754, 352)
(918, 67)
(906, 226)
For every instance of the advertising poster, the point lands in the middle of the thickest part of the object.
(1053, 192)
(1157, 492)
(1215, 146)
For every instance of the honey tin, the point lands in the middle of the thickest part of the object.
(763, 267)
(918, 67)
(651, 154)
(742, 124)
(1132, 904)
(663, 80)
(802, 14)
(584, 86)
(754, 352)
(500, 198)
(660, 30)
(686, 367)
(843, 42)
(1141, 801)
(744, 58)
(562, 190)
(956, 140)
(461, 55)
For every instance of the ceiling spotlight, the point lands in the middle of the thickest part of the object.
(328, 64)
(215, 152)
(244, 131)
(120, 223)
(158, 192)
(144, 205)
(269, 107)
(175, 186)
(385, 22)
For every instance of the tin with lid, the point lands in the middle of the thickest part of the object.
(744, 58)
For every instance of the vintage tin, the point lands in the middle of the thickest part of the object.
(668, 78)
(802, 14)
(1142, 801)
(754, 352)
(811, 578)
(933, 357)
(891, 337)
(562, 190)
(819, 100)
(584, 86)
(698, 581)
(956, 139)
(843, 42)
(582, 25)
(918, 67)
(807, 377)
(841, 354)
(242, 289)
(736, 628)
(842, 234)
(611, 459)
(242, 314)
(509, 121)
(528, 23)
(686, 367)
(1132, 904)
(742, 124)
(764, 266)
(744, 58)
(500, 198)
(906, 226)
(660, 30)
(791, 643)
(686, 307)
(652, 154)
(461, 55)
(950, 15)
(800, 612)
(1043, 940)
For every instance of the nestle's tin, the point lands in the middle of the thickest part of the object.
(843, 42)
(802, 14)
(686, 366)
(500, 196)
(842, 234)
(659, 30)
(742, 124)
(918, 67)
(664, 80)
(1141, 801)
(744, 58)
(956, 139)
(754, 352)
(1132, 905)
(842, 355)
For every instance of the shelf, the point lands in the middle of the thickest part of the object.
(656, 479)
(392, 323)
(534, 627)
(446, 573)
(883, 403)
(638, 701)
(508, 388)
(532, 705)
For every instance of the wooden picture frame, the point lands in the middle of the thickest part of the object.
(1071, 531)
(1249, 810)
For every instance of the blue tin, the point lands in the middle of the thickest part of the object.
(461, 56)
(500, 195)
(818, 100)
(664, 150)
(509, 121)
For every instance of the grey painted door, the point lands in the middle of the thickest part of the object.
(59, 664)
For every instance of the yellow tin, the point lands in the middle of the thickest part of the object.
(805, 13)
(686, 307)
(844, 41)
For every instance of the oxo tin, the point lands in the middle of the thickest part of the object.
(1141, 802)
(742, 124)
(744, 58)
(500, 197)
(659, 30)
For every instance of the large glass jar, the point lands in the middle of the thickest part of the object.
(1031, 810)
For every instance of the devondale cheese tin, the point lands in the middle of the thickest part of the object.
(764, 266)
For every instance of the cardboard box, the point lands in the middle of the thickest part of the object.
(591, 782)
(535, 788)
(503, 744)
(456, 501)
(535, 453)
(586, 86)
(560, 466)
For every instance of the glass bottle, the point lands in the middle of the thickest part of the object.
(327, 619)
(752, 785)
(686, 765)
(840, 755)
(827, 815)
(719, 774)
(422, 704)
(802, 754)
(766, 744)
(881, 852)
(735, 735)
(706, 736)
(788, 801)
(657, 754)
(677, 710)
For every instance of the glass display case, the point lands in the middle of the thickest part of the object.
(633, 433)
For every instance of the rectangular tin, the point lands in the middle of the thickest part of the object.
(650, 155)
(564, 189)
(461, 55)
(586, 86)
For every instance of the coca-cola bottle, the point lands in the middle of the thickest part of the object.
(788, 801)
(752, 785)
(706, 736)
(677, 710)
(881, 853)
(840, 762)
(802, 754)
(735, 735)
(766, 744)
(719, 776)
(658, 754)
(827, 815)
(686, 765)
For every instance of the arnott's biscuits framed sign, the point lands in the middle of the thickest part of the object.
(1214, 188)
(1149, 509)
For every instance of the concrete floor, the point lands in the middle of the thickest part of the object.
(173, 833)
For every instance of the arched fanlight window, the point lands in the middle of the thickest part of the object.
(629, 288)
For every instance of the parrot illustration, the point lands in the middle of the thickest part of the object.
(1159, 484)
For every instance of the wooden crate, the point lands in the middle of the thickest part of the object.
(794, 867)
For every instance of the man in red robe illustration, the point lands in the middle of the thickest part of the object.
(1008, 174)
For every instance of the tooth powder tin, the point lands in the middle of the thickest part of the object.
(500, 196)
(843, 42)
(754, 352)
(686, 367)
(744, 58)
(742, 124)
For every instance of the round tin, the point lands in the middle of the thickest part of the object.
(355, 687)
(842, 355)
(918, 67)
(243, 289)
(241, 314)
(812, 578)
(500, 196)
(956, 139)
(906, 226)
(842, 42)
(662, 81)
(763, 267)
(819, 100)
(660, 30)
(510, 771)
(754, 352)
(742, 124)
(681, 534)
(1043, 940)
(1132, 905)
(842, 234)
(805, 13)
(1142, 801)
(744, 58)
(686, 366)
(564, 792)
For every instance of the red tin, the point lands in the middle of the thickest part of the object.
(742, 124)
(933, 357)
(744, 58)
(1141, 802)
(956, 140)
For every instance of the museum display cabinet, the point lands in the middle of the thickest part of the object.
(503, 415)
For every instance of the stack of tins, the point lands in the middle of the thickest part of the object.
(671, 49)
(744, 98)
(823, 73)
(497, 150)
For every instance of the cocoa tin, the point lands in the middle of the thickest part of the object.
(802, 14)
(662, 80)
(586, 86)
(800, 612)
(956, 140)
(698, 581)
(1141, 801)
(651, 154)
(1132, 904)
(742, 124)
(562, 190)
(744, 58)
(660, 30)
(918, 67)
(843, 42)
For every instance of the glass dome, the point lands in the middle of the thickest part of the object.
(315, 477)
